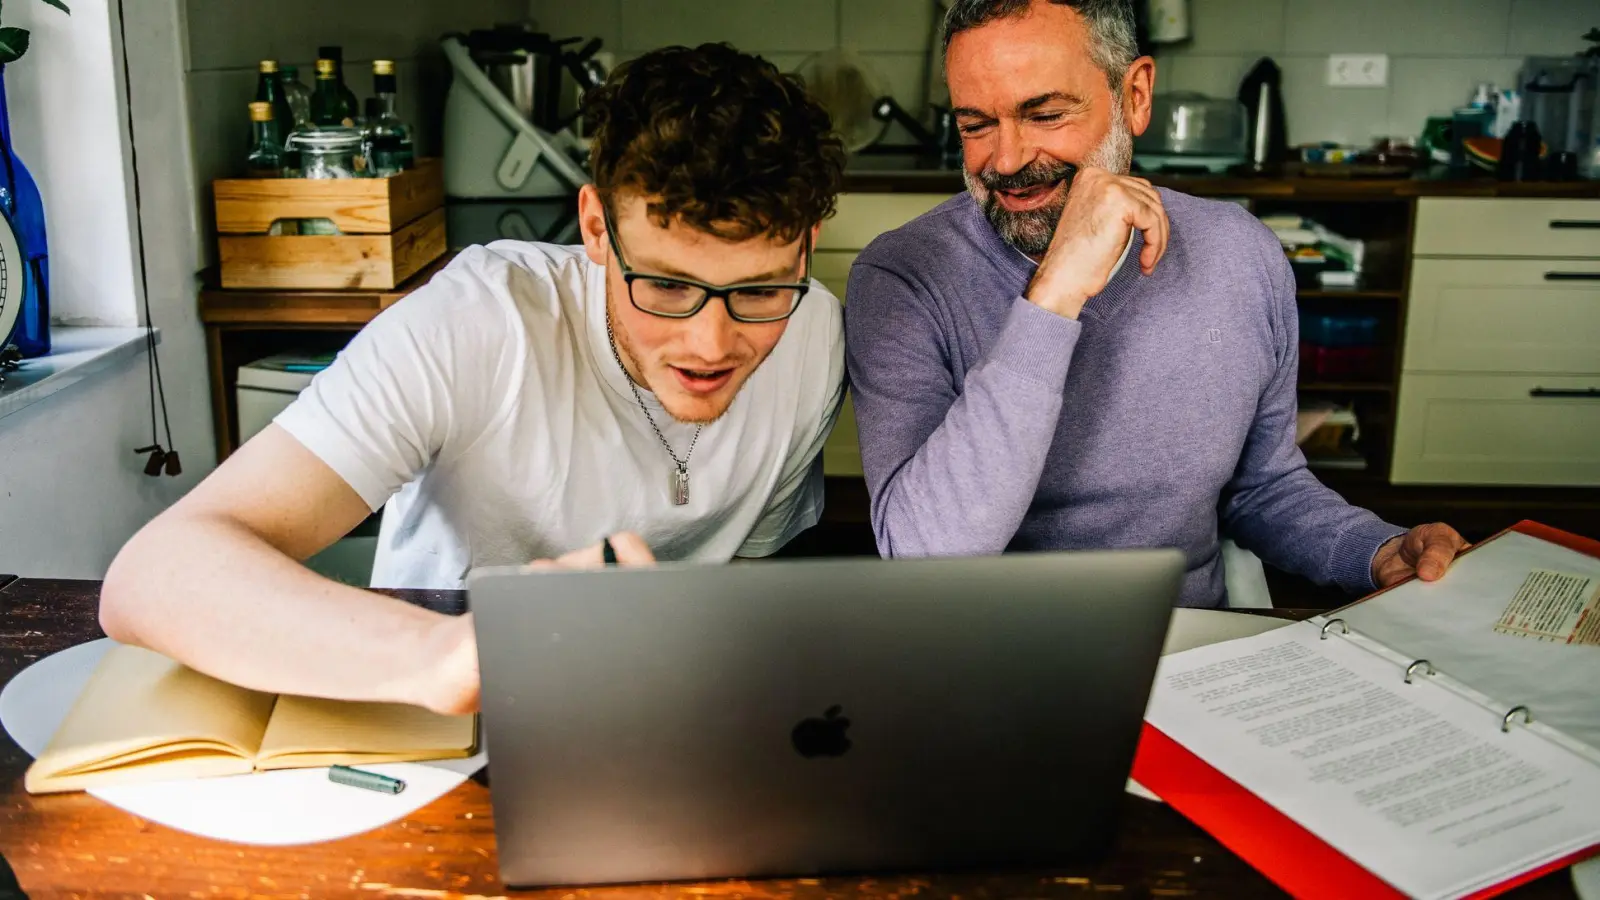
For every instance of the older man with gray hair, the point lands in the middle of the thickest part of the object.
(1067, 357)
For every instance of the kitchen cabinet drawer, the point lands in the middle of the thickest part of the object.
(1453, 226)
(832, 268)
(841, 453)
(862, 217)
(1504, 315)
(1497, 429)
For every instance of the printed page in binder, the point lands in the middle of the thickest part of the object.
(1456, 623)
(1413, 782)
(1554, 606)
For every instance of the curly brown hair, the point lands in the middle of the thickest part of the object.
(718, 139)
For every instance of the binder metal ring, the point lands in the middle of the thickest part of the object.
(1527, 717)
(1413, 667)
(1344, 629)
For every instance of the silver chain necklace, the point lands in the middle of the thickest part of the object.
(680, 475)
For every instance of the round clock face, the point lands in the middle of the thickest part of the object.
(11, 288)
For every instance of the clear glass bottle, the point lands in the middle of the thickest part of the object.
(298, 95)
(390, 136)
(327, 106)
(352, 108)
(266, 142)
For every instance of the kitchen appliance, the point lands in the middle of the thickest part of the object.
(1261, 93)
(1192, 132)
(1558, 95)
(850, 89)
(552, 221)
(858, 100)
(493, 148)
(529, 67)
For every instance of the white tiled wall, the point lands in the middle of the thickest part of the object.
(227, 38)
(1439, 49)
(891, 35)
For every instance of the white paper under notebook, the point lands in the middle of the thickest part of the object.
(288, 806)
(1421, 783)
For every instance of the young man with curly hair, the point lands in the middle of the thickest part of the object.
(666, 386)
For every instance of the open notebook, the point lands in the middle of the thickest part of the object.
(143, 717)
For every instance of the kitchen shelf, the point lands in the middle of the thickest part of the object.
(1347, 387)
(245, 307)
(1349, 293)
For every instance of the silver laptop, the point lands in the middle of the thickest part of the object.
(810, 717)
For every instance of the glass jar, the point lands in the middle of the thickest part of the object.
(329, 152)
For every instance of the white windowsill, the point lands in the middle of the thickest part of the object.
(76, 354)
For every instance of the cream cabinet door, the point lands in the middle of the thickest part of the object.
(841, 454)
(1497, 429)
(1504, 315)
(862, 217)
(832, 268)
(1464, 226)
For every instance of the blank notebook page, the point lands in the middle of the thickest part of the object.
(317, 732)
(141, 705)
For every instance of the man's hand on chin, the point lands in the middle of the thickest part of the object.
(1425, 551)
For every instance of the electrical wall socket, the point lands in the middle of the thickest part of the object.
(1358, 70)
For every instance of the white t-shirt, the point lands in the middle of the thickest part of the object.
(487, 410)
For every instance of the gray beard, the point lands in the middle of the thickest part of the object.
(1030, 232)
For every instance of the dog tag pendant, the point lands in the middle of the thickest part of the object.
(680, 485)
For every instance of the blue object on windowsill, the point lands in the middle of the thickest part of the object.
(22, 206)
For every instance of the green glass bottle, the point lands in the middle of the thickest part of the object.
(269, 89)
(266, 144)
(352, 107)
(391, 135)
(327, 105)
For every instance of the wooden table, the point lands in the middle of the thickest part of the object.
(72, 845)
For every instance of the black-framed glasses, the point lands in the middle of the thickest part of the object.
(679, 298)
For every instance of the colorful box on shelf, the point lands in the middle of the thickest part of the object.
(371, 233)
(1339, 330)
(1344, 363)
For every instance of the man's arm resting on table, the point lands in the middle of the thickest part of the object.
(216, 583)
(1275, 506)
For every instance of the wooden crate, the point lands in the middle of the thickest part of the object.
(391, 228)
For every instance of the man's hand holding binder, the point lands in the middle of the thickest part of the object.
(1425, 551)
(1412, 744)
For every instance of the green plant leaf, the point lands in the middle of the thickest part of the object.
(59, 5)
(13, 43)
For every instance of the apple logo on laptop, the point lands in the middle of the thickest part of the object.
(822, 737)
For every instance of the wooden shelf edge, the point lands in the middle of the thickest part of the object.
(1346, 387)
(222, 306)
(1349, 293)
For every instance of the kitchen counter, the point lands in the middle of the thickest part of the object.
(894, 174)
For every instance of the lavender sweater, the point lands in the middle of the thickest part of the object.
(1164, 413)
